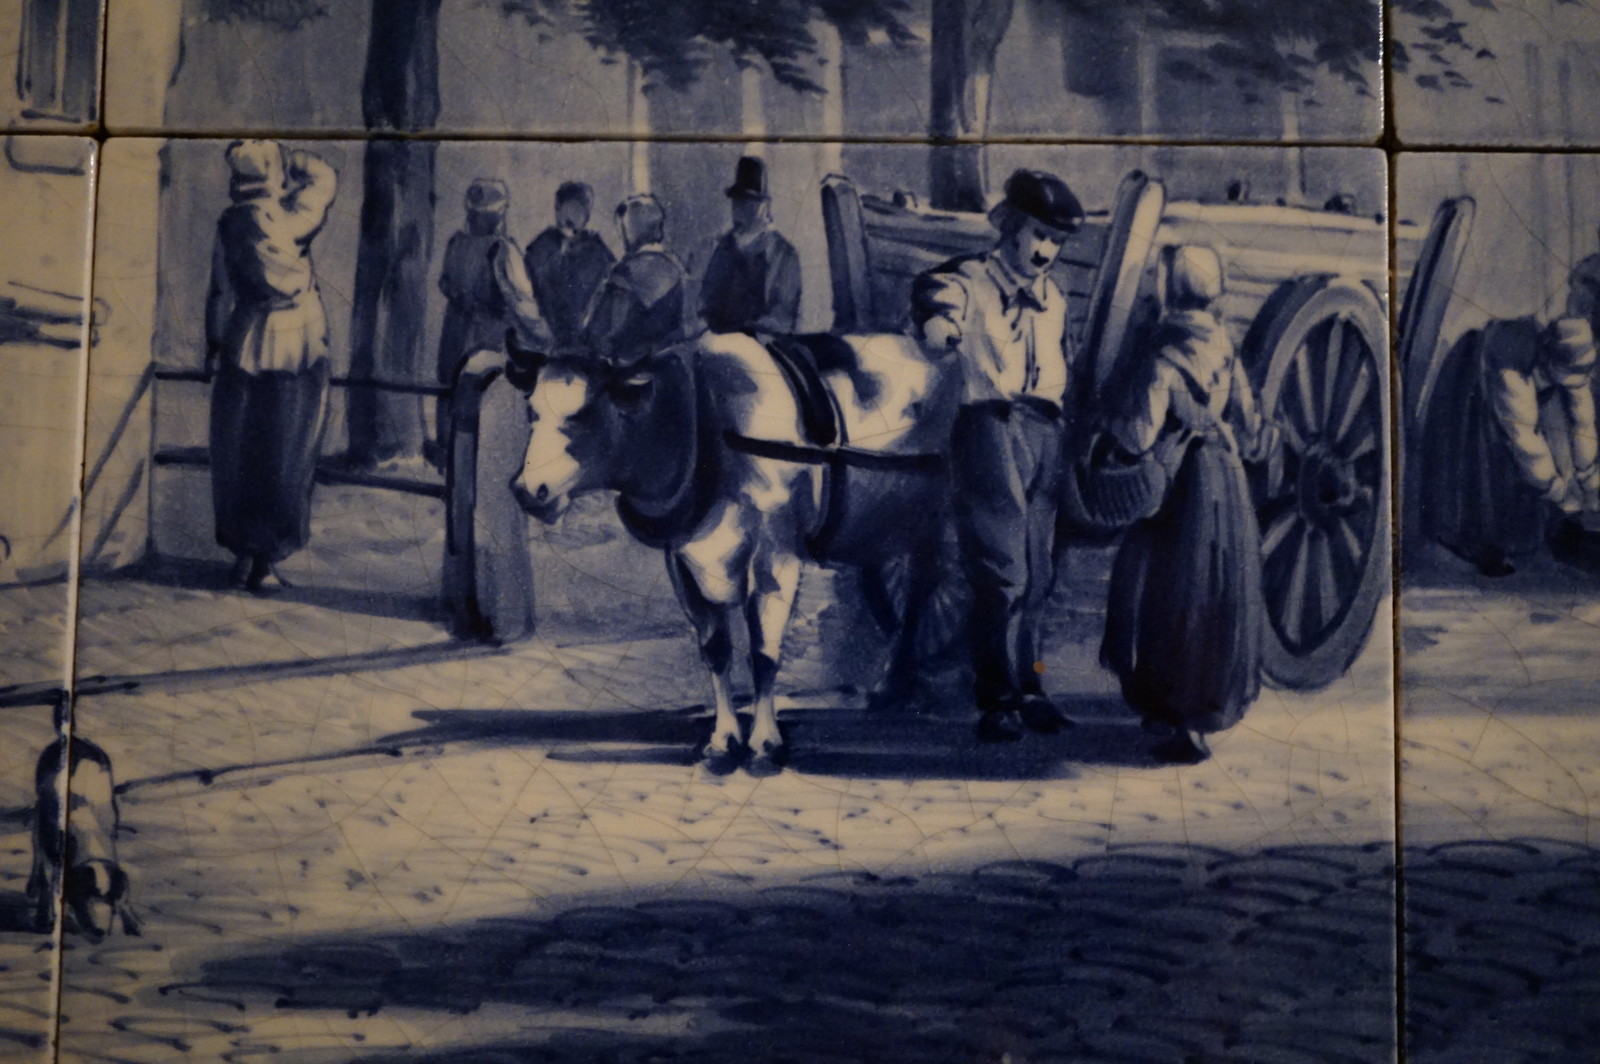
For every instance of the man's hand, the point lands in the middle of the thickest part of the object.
(1562, 494)
(941, 334)
(1586, 485)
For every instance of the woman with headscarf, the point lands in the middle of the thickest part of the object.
(1185, 618)
(267, 341)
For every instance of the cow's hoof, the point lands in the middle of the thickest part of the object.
(768, 760)
(722, 760)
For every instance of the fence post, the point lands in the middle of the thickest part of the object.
(488, 571)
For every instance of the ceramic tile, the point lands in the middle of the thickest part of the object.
(1496, 75)
(56, 63)
(44, 325)
(1244, 70)
(1497, 765)
(434, 790)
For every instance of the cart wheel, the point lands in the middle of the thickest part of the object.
(1318, 357)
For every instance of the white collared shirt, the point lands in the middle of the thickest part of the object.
(1013, 331)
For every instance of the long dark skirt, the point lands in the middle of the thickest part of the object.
(266, 433)
(1185, 618)
(1473, 498)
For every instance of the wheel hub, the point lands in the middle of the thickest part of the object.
(1328, 485)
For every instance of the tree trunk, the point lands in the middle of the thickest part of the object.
(752, 110)
(966, 38)
(830, 47)
(389, 304)
(639, 127)
(400, 92)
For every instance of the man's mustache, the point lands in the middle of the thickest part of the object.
(1041, 261)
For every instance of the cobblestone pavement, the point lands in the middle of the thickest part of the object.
(352, 840)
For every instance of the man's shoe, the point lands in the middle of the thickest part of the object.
(1041, 715)
(999, 726)
(1186, 747)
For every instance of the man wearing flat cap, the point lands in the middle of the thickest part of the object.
(752, 280)
(1005, 321)
(487, 291)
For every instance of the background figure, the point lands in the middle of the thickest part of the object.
(267, 338)
(486, 290)
(752, 280)
(1007, 323)
(567, 263)
(1510, 433)
(639, 310)
(1185, 617)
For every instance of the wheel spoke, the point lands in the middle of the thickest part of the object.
(1277, 533)
(1353, 400)
(1333, 367)
(1351, 542)
(1365, 444)
(1294, 596)
(1306, 387)
(1330, 589)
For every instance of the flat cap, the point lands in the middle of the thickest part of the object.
(1045, 198)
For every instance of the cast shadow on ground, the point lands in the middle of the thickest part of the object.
(190, 575)
(844, 742)
(1143, 954)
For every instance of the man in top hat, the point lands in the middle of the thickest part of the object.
(752, 281)
(487, 291)
(640, 308)
(1005, 321)
(567, 264)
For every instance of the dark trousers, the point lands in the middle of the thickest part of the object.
(1006, 460)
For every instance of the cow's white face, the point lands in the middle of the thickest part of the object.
(566, 447)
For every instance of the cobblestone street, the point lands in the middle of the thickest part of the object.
(354, 840)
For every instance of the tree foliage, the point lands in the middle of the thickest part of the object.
(1430, 44)
(674, 42)
(1259, 45)
(281, 14)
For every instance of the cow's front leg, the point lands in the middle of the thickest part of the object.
(709, 603)
(775, 580)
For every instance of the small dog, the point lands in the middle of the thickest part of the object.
(81, 861)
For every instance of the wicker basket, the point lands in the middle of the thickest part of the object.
(1107, 489)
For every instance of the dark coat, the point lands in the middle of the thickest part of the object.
(566, 273)
(754, 288)
(640, 308)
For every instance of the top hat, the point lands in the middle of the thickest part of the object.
(1045, 198)
(488, 195)
(749, 179)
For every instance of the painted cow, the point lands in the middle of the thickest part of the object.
(742, 460)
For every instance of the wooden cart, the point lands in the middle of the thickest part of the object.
(1307, 292)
